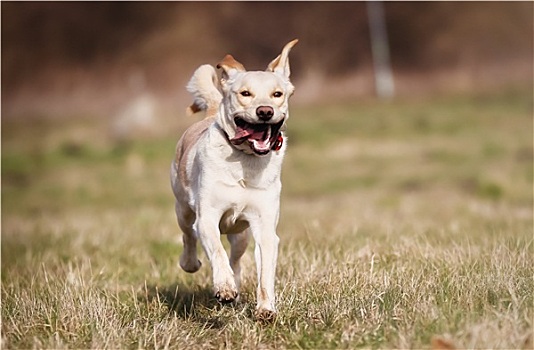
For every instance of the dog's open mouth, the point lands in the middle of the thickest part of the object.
(262, 137)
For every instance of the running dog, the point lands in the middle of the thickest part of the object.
(226, 173)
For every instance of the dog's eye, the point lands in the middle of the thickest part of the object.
(245, 93)
(277, 94)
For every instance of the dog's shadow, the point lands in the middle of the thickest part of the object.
(194, 304)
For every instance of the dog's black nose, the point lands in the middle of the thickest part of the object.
(265, 113)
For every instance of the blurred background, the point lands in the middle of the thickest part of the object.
(82, 58)
(93, 102)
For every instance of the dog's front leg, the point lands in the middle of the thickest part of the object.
(266, 252)
(207, 229)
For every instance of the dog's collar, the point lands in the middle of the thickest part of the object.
(279, 142)
(277, 145)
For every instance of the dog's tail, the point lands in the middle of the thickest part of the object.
(203, 86)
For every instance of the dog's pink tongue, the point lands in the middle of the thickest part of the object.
(242, 133)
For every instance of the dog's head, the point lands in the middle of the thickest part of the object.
(255, 103)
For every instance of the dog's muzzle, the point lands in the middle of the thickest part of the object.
(261, 137)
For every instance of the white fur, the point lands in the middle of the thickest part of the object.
(221, 188)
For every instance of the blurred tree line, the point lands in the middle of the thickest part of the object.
(168, 39)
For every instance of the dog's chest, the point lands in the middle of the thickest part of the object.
(240, 206)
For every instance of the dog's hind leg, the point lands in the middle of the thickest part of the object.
(238, 244)
(188, 260)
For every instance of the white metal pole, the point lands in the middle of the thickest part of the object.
(384, 84)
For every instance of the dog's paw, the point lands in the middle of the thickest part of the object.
(190, 266)
(226, 295)
(264, 315)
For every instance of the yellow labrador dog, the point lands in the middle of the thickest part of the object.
(226, 174)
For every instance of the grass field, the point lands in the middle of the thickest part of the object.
(400, 222)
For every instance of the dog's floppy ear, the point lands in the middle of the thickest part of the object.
(281, 63)
(230, 66)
